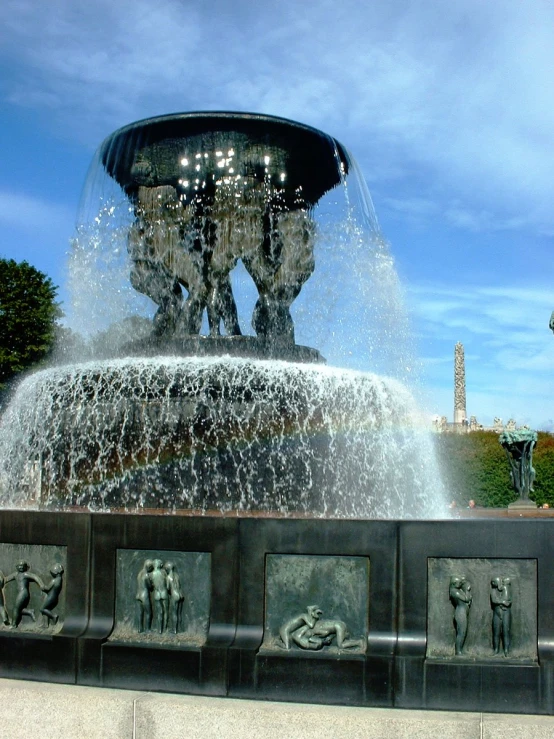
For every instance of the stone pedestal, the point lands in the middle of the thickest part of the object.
(521, 506)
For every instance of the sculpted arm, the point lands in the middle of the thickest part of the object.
(35, 578)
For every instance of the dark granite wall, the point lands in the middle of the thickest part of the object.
(322, 611)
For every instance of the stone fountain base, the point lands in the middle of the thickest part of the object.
(382, 587)
(251, 347)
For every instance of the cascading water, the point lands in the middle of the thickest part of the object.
(227, 434)
(207, 222)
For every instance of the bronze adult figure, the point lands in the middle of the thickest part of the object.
(302, 619)
(144, 605)
(460, 597)
(158, 578)
(176, 597)
(3, 611)
(323, 633)
(501, 603)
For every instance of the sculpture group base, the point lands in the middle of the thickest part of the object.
(234, 346)
(521, 505)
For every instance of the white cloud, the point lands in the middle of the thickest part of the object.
(456, 91)
(509, 350)
(446, 105)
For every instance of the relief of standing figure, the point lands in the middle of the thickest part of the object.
(23, 579)
(175, 595)
(144, 606)
(501, 603)
(52, 590)
(158, 578)
(3, 612)
(460, 597)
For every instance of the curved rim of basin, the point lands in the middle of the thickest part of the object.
(316, 161)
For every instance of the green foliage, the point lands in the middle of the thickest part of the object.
(474, 465)
(543, 462)
(28, 314)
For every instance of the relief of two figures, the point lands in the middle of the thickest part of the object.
(23, 579)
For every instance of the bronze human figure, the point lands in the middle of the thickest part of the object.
(309, 631)
(460, 597)
(323, 633)
(144, 605)
(158, 578)
(501, 603)
(52, 590)
(302, 619)
(23, 579)
(518, 445)
(176, 597)
(3, 611)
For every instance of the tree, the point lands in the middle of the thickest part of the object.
(475, 466)
(28, 313)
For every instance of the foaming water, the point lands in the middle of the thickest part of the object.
(236, 434)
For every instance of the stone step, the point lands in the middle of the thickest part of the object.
(52, 711)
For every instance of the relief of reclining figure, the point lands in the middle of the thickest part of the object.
(309, 631)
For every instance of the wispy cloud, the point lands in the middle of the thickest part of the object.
(509, 348)
(458, 93)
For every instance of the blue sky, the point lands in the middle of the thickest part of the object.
(448, 108)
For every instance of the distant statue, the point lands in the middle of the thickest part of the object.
(460, 597)
(519, 445)
(158, 578)
(144, 605)
(3, 611)
(498, 426)
(551, 324)
(501, 603)
(176, 597)
(52, 590)
(511, 425)
(23, 579)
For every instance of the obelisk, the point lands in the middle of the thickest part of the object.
(459, 384)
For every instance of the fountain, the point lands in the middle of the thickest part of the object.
(224, 421)
(298, 561)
